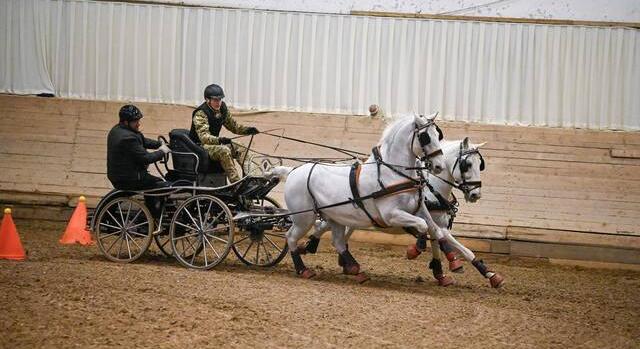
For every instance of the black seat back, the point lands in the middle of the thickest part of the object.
(187, 155)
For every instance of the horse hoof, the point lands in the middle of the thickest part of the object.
(340, 261)
(362, 278)
(445, 280)
(307, 274)
(496, 280)
(351, 269)
(456, 266)
(301, 250)
(413, 252)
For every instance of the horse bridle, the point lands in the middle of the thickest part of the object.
(463, 164)
(424, 139)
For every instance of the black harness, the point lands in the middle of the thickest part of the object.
(451, 207)
(358, 201)
(410, 185)
(465, 165)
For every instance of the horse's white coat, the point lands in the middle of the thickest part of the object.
(329, 184)
(452, 174)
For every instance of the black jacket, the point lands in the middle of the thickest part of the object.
(127, 159)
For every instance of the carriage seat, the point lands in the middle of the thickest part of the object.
(190, 160)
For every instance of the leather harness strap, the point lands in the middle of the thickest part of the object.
(378, 157)
(411, 184)
(358, 200)
(316, 209)
(354, 176)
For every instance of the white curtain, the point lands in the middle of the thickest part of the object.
(23, 68)
(497, 73)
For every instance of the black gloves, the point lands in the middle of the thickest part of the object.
(252, 131)
(224, 140)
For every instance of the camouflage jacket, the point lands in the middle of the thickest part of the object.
(204, 130)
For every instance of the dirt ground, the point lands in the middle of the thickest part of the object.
(70, 296)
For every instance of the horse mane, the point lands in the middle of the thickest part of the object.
(392, 129)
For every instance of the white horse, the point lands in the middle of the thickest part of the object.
(388, 191)
(463, 166)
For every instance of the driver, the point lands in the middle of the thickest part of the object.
(207, 121)
(127, 157)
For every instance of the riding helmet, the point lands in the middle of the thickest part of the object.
(213, 91)
(130, 112)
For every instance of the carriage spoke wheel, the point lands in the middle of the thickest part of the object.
(263, 248)
(123, 230)
(163, 242)
(201, 232)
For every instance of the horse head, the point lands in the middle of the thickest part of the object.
(426, 142)
(466, 170)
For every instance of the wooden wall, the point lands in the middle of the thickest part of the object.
(557, 193)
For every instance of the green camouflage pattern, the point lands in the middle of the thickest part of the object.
(225, 155)
(217, 151)
(201, 125)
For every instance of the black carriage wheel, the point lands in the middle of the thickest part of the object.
(123, 229)
(163, 242)
(262, 248)
(201, 232)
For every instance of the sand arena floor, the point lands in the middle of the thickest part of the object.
(70, 296)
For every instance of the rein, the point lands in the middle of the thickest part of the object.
(348, 152)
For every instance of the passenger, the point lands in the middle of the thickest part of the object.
(206, 123)
(128, 159)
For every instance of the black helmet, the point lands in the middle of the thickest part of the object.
(213, 91)
(130, 112)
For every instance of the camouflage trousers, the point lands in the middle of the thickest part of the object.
(225, 155)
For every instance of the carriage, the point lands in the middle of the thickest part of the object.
(200, 217)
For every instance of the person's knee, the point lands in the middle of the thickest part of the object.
(219, 153)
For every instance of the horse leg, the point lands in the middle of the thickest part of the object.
(455, 264)
(399, 218)
(347, 236)
(495, 279)
(294, 234)
(438, 232)
(349, 264)
(436, 267)
(311, 246)
(423, 226)
(414, 250)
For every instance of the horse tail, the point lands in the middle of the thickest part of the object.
(281, 172)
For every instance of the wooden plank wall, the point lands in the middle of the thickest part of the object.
(559, 193)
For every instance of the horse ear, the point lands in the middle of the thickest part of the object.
(478, 146)
(432, 116)
(465, 143)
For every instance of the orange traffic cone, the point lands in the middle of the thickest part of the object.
(76, 231)
(10, 245)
